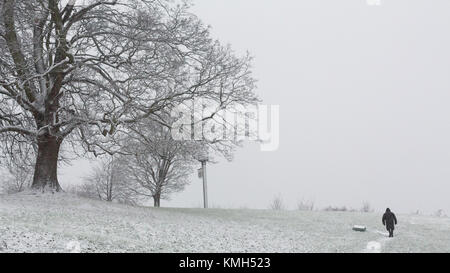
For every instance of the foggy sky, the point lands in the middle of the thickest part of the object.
(364, 104)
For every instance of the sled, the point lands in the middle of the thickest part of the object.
(359, 228)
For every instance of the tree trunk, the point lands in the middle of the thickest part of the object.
(45, 173)
(156, 201)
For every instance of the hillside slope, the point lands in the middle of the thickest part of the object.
(64, 223)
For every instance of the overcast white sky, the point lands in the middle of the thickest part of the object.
(364, 104)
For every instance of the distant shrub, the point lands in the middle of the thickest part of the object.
(331, 208)
(366, 207)
(277, 203)
(440, 213)
(305, 205)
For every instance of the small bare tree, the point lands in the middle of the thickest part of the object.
(109, 182)
(305, 205)
(17, 169)
(366, 207)
(19, 179)
(159, 165)
(277, 203)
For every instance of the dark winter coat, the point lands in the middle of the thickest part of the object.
(389, 219)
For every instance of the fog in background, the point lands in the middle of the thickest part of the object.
(364, 105)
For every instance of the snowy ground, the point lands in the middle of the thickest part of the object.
(64, 223)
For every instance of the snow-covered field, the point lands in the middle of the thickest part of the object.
(64, 223)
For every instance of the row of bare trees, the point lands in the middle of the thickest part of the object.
(277, 203)
(151, 164)
(87, 77)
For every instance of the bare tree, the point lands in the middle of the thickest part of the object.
(18, 179)
(81, 71)
(109, 182)
(366, 207)
(277, 203)
(159, 164)
(17, 169)
(305, 205)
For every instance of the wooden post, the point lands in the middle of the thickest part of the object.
(205, 185)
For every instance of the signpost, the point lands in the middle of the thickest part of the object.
(203, 158)
(205, 185)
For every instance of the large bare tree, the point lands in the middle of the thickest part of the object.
(79, 72)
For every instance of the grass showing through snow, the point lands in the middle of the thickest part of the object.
(65, 223)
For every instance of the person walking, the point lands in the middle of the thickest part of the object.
(389, 220)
